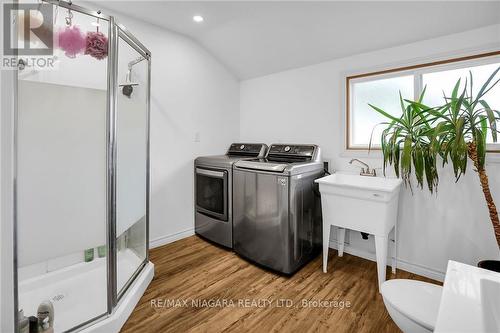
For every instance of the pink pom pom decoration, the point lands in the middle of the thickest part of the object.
(71, 41)
(96, 45)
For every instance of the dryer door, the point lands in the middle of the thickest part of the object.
(212, 192)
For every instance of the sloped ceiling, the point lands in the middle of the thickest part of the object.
(258, 38)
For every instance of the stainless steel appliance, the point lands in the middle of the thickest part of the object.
(276, 213)
(213, 191)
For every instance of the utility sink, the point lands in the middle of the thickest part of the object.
(361, 203)
(377, 188)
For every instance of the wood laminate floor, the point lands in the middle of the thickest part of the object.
(200, 287)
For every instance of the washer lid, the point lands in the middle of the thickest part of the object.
(262, 164)
(417, 300)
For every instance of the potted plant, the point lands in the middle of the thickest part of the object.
(455, 131)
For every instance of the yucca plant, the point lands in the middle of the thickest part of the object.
(456, 131)
(465, 121)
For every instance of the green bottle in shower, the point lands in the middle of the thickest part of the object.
(89, 255)
(101, 251)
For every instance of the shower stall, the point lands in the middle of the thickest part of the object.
(81, 193)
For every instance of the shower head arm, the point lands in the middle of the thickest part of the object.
(135, 62)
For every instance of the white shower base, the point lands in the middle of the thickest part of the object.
(79, 292)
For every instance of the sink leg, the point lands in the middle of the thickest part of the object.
(326, 245)
(394, 257)
(381, 251)
(340, 240)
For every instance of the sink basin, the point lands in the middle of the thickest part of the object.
(362, 182)
(361, 187)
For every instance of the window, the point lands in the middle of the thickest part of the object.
(382, 89)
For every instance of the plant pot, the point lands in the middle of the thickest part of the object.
(491, 265)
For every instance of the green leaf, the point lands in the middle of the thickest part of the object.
(455, 90)
(483, 91)
(481, 146)
(373, 130)
(491, 118)
(396, 159)
(418, 163)
(431, 174)
(471, 82)
(459, 128)
(421, 97)
(387, 115)
(401, 102)
(406, 159)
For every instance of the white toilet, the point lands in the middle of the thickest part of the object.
(413, 305)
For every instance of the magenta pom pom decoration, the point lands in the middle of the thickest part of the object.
(96, 45)
(71, 41)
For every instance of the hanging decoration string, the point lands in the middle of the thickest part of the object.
(69, 18)
(56, 12)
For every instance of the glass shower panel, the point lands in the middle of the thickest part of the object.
(61, 184)
(131, 162)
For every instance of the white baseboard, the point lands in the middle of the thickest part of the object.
(400, 264)
(170, 238)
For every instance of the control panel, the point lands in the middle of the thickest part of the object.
(251, 149)
(297, 150)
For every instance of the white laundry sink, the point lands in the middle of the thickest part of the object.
(361, 203)
(362, 182)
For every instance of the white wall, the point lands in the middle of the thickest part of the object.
(305, 105)
(191, 93)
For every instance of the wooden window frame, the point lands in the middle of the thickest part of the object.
(348, 79)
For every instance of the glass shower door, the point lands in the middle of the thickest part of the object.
(131, 160)
(81, 180)
(61, 187)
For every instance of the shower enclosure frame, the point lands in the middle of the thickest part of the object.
(115, 32)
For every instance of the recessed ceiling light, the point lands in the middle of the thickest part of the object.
(198, 18)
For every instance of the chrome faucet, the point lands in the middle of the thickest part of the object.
(364, 172)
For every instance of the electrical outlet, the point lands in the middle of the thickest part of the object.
(326, 164)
